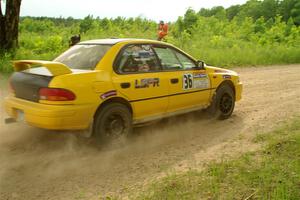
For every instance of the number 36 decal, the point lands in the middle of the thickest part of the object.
(187, 81)
(195, 81)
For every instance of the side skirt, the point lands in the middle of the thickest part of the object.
(138, 122)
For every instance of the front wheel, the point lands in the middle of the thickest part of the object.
(113, 123)
(223, 103)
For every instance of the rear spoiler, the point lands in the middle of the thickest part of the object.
(55, 68)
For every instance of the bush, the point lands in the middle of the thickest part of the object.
(242, 40)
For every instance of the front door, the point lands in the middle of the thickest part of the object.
(189, 86)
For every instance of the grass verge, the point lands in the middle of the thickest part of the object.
(5, 63)
(3, 81)
(271, 173)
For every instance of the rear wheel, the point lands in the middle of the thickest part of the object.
(113, 124)
(223, 103)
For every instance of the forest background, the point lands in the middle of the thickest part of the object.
(256, 33)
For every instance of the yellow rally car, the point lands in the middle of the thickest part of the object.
(109, 85)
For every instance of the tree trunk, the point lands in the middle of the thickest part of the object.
(9, 24)
(2, 28)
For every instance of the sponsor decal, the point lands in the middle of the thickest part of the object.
(226, 77)
(108, 94)
(145, 83)
(195, 81)
(220, 71)
(202, 83)
(199, 75)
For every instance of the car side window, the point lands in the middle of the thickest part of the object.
(137, 59)
(168, 59)
(185, 61)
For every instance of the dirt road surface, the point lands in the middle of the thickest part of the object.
(39, 164)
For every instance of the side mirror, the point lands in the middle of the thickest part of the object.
(200, 64)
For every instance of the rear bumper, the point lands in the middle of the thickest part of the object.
(238, 91)
(54, 117)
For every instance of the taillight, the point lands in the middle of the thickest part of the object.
(56, 94)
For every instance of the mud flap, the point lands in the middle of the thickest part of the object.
(87, 133)
(9, 120)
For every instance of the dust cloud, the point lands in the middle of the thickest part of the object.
(41, 159)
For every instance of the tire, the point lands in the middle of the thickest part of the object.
(223, 103)
(112, 124)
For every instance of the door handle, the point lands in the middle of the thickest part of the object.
(125, 85)
(174, 80)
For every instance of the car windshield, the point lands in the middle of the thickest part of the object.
(83, 56)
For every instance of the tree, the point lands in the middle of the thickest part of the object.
(251, 8)
(270, 8)
(218, 11)
(9, 24)
(190, 18)
(205, 12)
(232, 11)
(296, 13)
(286, 7)
(86, 24)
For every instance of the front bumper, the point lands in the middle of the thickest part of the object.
(54, 117)
(238, 91)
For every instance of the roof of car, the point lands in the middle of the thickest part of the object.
(112, 41)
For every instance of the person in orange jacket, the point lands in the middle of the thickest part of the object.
(162, 30)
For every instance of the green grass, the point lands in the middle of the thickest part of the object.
(272, 173)
(241, 41)
(217, 42)
(3, 80)
(227, 57)
(5, 63)
(249, 56)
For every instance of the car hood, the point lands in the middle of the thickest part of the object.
(219, 70)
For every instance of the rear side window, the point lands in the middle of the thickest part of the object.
(137, 59)
(83, 56)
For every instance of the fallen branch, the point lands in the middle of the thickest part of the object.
(251, 195)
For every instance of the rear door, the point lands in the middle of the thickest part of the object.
(189, 86)
(138, 77)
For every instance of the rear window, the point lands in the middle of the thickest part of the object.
(85, 56)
